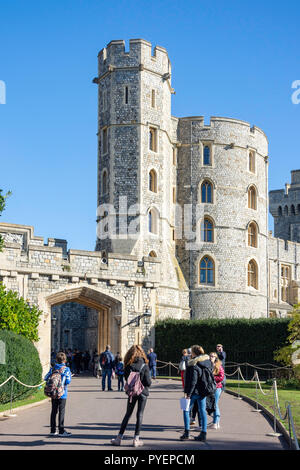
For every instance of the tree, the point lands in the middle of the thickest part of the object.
(290, 354)
(17, 315)
(2, 207)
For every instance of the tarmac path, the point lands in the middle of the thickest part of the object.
(93, 417)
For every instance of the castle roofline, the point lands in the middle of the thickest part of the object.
(224, 119)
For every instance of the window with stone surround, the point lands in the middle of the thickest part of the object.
(126, 95)
(153, 99)
(152, 254)
(207, 155)
(174, 155)
(207, 271)
(285, 282)
(207, 230)
(153, 221)
(104, 185)
(252, 161)
(153, 139)
(252, 234)
(153, 181)
(253, 274)
(207, 192)
(104, 140)
(252, 198)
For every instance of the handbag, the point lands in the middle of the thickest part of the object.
(185, 404)
(182, 365)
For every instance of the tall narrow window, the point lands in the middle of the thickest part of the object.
(207, 271)
(285, 281)
(153, 103)
(252, 274)
(104, 182)
(252, 198)
(126, 95)
(153, 139)
(207, 230)
(174, 195)
(206, 155)
(252, 161)
(153, 181)
(104, 140)
(174, 156)
(206, 192)
(252, 234)
(152, 221)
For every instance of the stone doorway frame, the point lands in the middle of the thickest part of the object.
(111, 316)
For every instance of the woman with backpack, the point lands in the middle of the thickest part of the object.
(199, 383)
(138, 381)
(219, 375)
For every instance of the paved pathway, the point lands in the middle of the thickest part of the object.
(93, 417)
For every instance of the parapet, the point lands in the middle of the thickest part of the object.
(140, 54)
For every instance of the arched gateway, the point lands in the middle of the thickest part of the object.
(111, 310)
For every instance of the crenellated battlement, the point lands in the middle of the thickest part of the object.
(141, 54)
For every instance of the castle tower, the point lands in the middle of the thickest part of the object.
(137, 163)
(223, 174)
(135, 150)
(285, 208)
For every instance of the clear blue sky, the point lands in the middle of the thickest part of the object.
(229, 58)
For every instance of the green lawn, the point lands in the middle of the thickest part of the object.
(35, 397)
(284, 395)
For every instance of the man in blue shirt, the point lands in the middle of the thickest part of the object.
(107, 365)
(152, 357)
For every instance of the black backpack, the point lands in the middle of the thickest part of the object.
(208, 384)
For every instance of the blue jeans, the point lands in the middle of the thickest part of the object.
(153, 371)
(108, 373)
(202, 409)
(217, 412)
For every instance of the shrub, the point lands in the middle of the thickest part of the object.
(21, 359)
(244, 340)
(17, 315)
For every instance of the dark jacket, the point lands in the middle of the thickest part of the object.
(145, 373)
(193, 376)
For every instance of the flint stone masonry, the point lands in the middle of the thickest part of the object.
(158, 269)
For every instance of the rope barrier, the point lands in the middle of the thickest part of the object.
(13, 378)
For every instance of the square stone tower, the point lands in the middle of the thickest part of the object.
(285, 208)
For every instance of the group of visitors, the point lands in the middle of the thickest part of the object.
(78, 361)
(202, 375)
(203, 380)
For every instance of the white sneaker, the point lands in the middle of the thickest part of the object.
(137, 443)
(53, 433)
(116, 441)
(213, 426)
(64, 434)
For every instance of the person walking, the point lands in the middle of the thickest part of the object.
(107, 366)
(183, 365)
(218, 372)
(135, 361)
(152, 358)
(58, 405)
(196, 385)
(222, 356)
(119, 369)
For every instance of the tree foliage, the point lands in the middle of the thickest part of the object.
(2, 207)
(17, 315)
(289, 354)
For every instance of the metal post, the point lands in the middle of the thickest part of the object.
(11, 414)
(238, 397)
(256, 393)
(274, 434)
(169, 370)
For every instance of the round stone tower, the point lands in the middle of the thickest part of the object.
(223, 176)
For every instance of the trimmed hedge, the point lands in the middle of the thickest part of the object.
(21, 359)
(244, 340)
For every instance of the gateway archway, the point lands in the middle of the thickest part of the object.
(110, 312)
